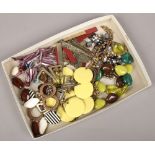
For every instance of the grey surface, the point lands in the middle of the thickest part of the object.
(132, 120)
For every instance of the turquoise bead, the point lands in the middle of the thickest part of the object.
(99, 75)
(127, 58)
(127, 79)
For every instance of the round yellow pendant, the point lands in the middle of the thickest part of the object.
(89, 105)
(67, 71)
(50, 102)
(75, 107)
(83, 75)
(70, 94)
(63, 116)
(83, 91)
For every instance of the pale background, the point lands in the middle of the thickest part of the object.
(132, 120)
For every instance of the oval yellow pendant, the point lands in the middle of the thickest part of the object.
(83, 75)
(63, 116)
(74, 107)
(89, 105)
(83, 91)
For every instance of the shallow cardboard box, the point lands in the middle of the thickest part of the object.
(140, 76)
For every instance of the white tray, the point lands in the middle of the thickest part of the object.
(140, 76)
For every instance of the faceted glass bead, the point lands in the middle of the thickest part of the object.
(17, 82)
(120, 70)
(111, 98)
(127, 58)
(127, 79)
(124, 89)
(119, 82)
(100, 86)
(25, 95)
(129, 68)
(107, 69)
(113, 89)
(99, 75)
(99, 103)
(118, 49)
